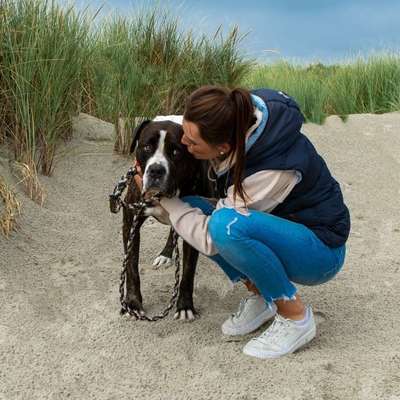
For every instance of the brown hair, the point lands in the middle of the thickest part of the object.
(223, 116)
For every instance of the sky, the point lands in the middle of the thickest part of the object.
(325, 31)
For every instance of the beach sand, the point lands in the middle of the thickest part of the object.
(61, 335)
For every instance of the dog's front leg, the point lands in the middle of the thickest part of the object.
(133, 296)
(184, 308)
(165, 257)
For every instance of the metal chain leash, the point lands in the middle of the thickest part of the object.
(115, 205)
(125, 307)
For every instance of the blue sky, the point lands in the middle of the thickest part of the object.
(307, 30)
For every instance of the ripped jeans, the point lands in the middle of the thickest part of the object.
(269, 251)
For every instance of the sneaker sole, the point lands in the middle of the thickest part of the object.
(250, 326)
(303, 340)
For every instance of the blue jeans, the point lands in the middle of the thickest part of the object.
(269, 251)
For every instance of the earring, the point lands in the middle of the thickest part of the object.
(221, 153)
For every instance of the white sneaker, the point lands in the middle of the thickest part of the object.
(284, 336)
(252, 313)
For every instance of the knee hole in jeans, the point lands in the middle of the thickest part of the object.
(221, 224)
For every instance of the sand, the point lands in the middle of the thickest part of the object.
(61, 336)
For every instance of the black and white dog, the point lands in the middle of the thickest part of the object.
(168, 168)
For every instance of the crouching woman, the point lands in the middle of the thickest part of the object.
(280, 218)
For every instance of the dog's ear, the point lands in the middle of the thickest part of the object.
(136, 134)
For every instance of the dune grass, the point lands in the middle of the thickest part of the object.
(42, 53)
(9, 208)
(145, 65)
(369, 85)
(56, 61)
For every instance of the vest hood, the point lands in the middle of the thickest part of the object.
(283, 126)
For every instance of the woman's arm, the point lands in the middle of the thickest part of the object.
(266, 189)
(190, 223)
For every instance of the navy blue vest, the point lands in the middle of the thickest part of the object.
(316, 201)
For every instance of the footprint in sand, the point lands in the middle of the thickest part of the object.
(320, 317)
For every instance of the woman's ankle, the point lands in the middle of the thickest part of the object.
(294, 317)
(291, 309)
(251, 287)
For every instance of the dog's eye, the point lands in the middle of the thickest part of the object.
(176, 153)
(147, 148)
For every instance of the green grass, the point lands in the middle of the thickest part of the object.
(42, 49)
(56, 61)
(361, 86)
(145, 65)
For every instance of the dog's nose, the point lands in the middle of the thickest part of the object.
(156, 171)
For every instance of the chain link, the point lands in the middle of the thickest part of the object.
(115, 205)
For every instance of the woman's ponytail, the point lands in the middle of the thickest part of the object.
(243, 120)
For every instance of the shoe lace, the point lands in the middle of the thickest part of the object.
(242, 305)
(278, 329)
(238, 313)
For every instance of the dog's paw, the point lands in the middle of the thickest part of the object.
(162, 261)
(134, 307)
(185, 310)
(159, 213)
(185, 315)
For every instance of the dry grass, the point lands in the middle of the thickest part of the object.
(27, 175)
(121, 145)
(124, 131)
(11, 209)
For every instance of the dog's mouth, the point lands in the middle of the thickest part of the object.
(157, 183)
(154, 186)
(158, 192)
(151, 193)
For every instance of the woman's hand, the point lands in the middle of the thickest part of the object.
(138, 177)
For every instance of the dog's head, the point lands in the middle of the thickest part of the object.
(164, 160)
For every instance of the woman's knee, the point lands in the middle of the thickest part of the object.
(221, 225)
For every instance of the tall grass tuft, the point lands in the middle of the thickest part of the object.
(360, 86)
(145, 65)
(366, 86)
(43, 48)
(55, 61)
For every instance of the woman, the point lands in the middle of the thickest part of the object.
(280, 218)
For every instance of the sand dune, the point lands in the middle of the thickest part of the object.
(61, 336)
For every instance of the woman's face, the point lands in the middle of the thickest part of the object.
(197, 146)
